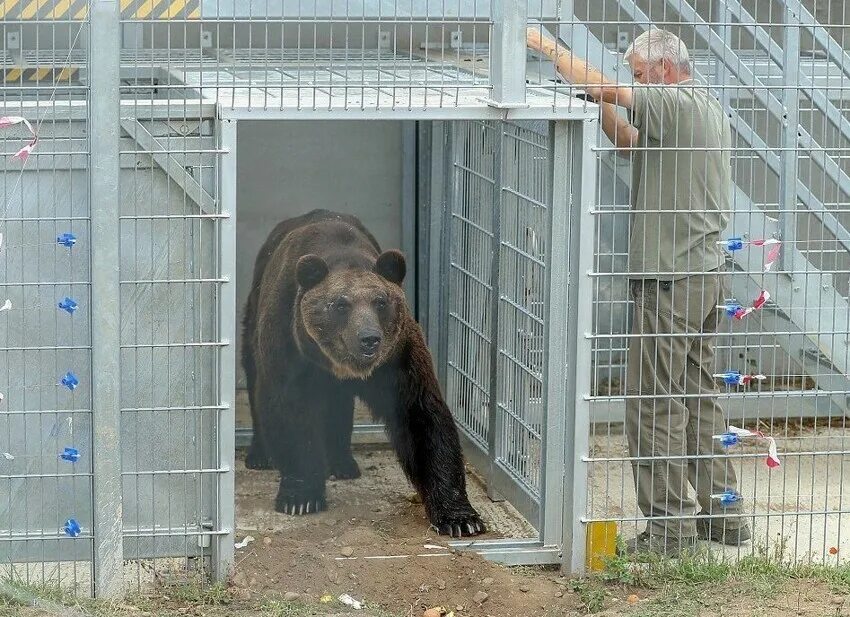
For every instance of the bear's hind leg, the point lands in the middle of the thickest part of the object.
(339, 426)
(294, 441)
(256, 457)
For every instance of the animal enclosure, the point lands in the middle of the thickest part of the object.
(169, 137)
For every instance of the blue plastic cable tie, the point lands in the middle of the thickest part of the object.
(67, 239)
(728, 439)
(732, 308)
(72, 455)
(72, 528)
(70, 381)
(731, 378)
(69, 305)
(727, 498)
(734, 244)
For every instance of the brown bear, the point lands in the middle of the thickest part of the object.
(326, 321)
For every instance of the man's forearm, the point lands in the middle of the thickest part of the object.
(577, 71)
(622, 134)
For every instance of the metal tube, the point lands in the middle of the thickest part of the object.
(790, 124)
(508, 53)
(580, 345)
(105, 298)
(226, 328)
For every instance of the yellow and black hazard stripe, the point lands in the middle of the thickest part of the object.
(74, 10)
(77, 10)
(160, 9)
(32, 74)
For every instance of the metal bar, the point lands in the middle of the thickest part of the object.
(744, 130)
(226, 327)
(788, 156)
(449, 180)
(495, 259)
(423, 225)
(542, 108)
(796, 79)
(579, 345)
(437, 205)
(555, 403)
(821, 35)
(746, 215)
(508, 53)
(783, 56)
(408, 208)
(105, 44)
(170, 165)
(761, 92)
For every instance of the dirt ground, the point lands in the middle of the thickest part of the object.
(371, 544)
(374, 544)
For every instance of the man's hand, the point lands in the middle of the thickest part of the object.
(539, 41)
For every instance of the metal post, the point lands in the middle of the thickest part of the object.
(508, 53)
(408, 208)
(555, 400)
(437, 204)
(790, 123)
(723, 16)
(582, 197)
(225, 504)
(493, 424)
(104, 126)
(445, 254)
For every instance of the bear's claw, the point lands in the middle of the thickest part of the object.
(299, 500)
(458, 527)
(301, 508)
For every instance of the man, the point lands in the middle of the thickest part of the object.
(680, 141)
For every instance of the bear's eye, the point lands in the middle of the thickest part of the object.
(380, 303)
(341, 306)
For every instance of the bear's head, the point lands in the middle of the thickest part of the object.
(354, 315)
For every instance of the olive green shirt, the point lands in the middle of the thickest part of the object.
(681, 181)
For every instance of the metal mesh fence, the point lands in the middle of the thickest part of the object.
(186, 70)
(779, 73)
(46, 431)
(176, 394)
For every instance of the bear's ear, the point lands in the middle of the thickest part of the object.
(391, 266)
(310, 271)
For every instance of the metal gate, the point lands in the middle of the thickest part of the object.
(116, 420)
(514, 206)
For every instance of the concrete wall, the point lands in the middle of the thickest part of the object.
(289, 168)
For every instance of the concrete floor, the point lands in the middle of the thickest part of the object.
(800, 510)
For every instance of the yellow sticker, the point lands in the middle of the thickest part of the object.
(326, 598)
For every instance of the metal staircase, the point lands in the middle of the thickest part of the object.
(807, 316)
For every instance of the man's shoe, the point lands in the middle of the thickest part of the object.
(647, 543)
(715, 530)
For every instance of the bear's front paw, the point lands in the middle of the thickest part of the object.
(299, 501)
(345, 470)
(257, 459)
(458, 525)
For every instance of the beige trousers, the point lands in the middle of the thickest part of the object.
(671, 358)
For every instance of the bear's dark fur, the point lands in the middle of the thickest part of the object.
(326, 321)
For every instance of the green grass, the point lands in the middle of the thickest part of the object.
(686, 586)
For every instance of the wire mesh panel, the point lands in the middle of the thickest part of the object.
(173, 286)
(472, 238)
(498, 311)
(771, 351)
(321, 54)
(523, 219)
(45, 282)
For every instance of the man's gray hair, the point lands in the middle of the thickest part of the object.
(655, 45)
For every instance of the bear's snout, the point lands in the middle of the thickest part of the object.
(370, 341)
